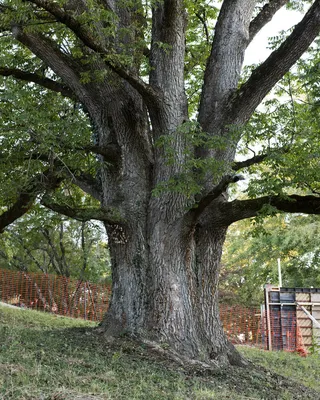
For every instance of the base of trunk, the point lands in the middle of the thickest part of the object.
(228, 355)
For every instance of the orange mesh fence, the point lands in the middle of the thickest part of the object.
(55, 294)
(243, 325)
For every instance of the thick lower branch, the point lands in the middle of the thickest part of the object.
(27, 196)
(217, 191)
(242, 209)
(111, 215)
(39, 80)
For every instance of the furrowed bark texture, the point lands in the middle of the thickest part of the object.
(166, 247)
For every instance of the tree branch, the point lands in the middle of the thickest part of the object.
(111, 152)
(202, 19)
(218, 190)
(167, 63)
(87, 183)
(89, 40)
(40, 80)
(265, 16)
(264, 77)
(27, 250)
(250, 161)
(257, 159)
(224, 64)
(45, 181)
(108, 215)
(47, 50)
(53, 254)
(241, 209)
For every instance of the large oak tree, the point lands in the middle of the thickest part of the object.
(165, 143)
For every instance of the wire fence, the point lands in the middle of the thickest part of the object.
(243, 325)
(79, 299)
(55, 294)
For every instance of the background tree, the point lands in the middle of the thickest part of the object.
(159, 177)
(43, 241)
(250, 257)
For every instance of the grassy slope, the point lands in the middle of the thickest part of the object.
(303, 370)
(43, 357)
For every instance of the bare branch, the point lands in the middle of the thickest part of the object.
(202, 19)
(257, 159)
(88, 183)
(110, 215)
(264, 77)
(217, 191)
(111, 152)
(265, 16)
(38, 79)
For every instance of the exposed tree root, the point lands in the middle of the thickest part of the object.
(182, 360)
(230, 357)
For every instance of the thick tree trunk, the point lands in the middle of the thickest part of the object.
(127, 309)
(165, 289)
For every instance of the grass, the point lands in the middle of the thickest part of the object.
(44, 357)
(304, 370)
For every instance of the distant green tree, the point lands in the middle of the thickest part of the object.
(43, 241)
(250, 257)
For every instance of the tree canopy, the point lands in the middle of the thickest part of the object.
(59, 136)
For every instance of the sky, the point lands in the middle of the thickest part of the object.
(283, 20)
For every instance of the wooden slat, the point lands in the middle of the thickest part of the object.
(305, 326)
(315, 297)
(300, 297)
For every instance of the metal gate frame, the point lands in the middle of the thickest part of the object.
(292, 317)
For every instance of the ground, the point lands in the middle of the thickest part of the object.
(45, 357)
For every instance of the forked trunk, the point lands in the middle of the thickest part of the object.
(165, 289)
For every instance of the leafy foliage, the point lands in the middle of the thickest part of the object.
(48, 242)
(251, 253)
(286, 130)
